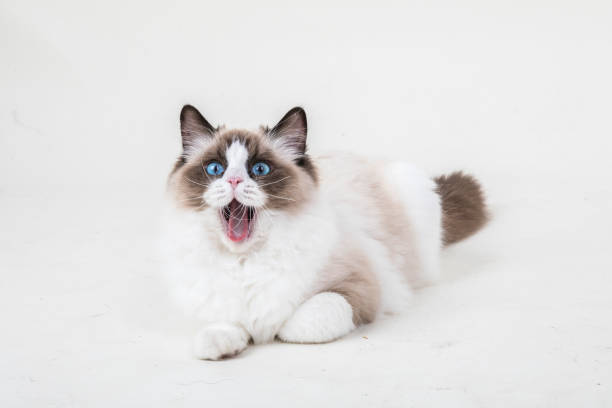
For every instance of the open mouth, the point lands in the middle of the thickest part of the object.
(237, 219)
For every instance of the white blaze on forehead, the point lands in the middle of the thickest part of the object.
(237, 156)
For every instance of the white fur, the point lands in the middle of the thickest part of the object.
(260, 284)
(416, 191)
(287, 147)
(322, 318)
(195, 146)
(220, 340)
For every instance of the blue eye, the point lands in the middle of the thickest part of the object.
(214, 169)
(260, 169)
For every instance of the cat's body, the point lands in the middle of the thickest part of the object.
(305, 252)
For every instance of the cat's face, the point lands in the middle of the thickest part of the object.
(239, 180)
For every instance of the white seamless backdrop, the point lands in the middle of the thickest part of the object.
(517, 93)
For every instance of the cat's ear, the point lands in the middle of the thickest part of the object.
(195, 130)
(289, 134)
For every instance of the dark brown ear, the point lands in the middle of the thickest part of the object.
(291, 131)
(194, 128)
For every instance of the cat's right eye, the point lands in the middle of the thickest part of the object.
(214, 169)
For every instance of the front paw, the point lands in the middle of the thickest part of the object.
(218, 341)
(322, 318)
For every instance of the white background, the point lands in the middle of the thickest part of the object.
(518, 93)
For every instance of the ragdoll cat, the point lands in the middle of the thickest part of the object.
(264, 241)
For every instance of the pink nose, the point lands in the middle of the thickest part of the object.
(234, 181)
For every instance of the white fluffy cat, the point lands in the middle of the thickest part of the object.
(263, 241)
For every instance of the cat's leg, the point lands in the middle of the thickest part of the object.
(322, 318)
(220, 340)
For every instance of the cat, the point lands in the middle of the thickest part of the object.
(264, 241)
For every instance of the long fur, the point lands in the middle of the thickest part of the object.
(463, 206)
(336, 240)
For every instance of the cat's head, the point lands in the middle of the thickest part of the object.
(240, 180)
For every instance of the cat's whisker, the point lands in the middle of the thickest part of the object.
(274, 182)
(264, 211)
(194, 196)
(281, 198)
(195, 182)
(191, 199)
(201, 206)
(242, 208)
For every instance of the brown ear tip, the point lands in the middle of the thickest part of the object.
(297, 109)
(187, 109)
(297, 112)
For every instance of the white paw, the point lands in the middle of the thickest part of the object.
(221, 340)
(322, 318)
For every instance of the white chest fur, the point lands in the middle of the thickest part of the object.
(259, 290)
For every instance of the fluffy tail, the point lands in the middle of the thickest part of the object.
(463, 206)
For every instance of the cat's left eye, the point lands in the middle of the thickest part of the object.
(260, 169)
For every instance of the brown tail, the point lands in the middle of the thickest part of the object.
(463, 206)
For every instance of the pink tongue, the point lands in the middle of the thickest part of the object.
(238, 225)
